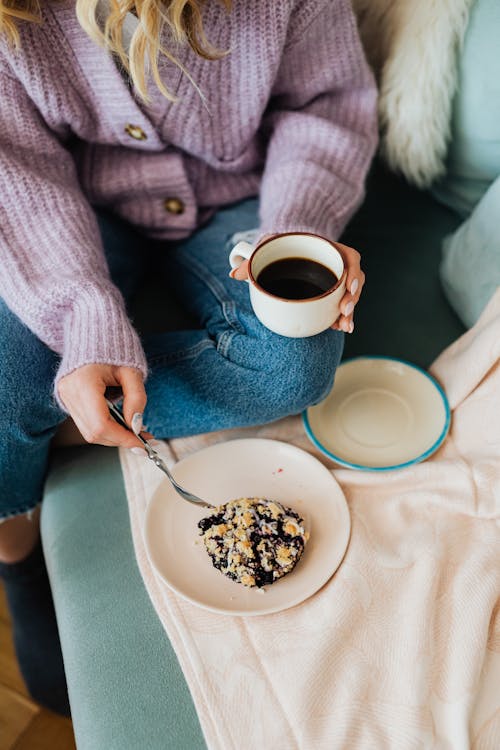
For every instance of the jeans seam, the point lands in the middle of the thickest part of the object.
(177, 356)
(227, 304)
(230, 314)
(224, 342)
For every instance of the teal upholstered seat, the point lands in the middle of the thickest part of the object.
(126, 688)
(473, 159)
(471, 255)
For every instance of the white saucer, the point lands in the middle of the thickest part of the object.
(247, 468)
(381, 414)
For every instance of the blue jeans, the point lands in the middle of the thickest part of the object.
(230, 372)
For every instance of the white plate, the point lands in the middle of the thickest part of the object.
(381, 414)
(247, 468)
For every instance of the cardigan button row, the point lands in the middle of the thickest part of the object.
(172, 205)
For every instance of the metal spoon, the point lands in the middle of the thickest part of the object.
(157, 459)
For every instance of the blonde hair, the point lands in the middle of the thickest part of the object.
(182, 17)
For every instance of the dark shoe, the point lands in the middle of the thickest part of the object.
(36, 637)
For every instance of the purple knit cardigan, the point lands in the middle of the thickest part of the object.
(289, 114)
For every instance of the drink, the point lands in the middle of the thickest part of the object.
(296, 278)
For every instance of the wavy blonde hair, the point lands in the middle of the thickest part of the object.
(182, 17)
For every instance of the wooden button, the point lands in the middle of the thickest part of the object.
(174, 206)
(134, 131)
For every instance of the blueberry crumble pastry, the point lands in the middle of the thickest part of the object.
(254, 541)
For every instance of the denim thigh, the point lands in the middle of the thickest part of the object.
(233, 371)
(29, 415)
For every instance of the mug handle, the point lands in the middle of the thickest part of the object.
(240, 252)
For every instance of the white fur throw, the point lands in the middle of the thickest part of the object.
(413, 45)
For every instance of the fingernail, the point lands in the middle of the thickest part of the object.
(232, 273)
(348, 309)
(354, 286)
(137, 423)
(351, 327)
(154, 442)
(345, 326)
(138, 451)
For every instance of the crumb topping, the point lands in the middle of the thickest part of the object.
(254, 541)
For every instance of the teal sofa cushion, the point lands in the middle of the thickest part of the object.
(473, 160)
(470, 271)
(126, 687)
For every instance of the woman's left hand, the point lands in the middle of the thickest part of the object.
(354, 284)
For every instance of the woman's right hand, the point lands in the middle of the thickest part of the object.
(83, 394)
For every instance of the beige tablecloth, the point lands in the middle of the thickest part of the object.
(401, 649)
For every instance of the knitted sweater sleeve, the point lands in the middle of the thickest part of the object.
(53, 273)
(322, 124)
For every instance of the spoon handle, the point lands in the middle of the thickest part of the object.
(157, 459)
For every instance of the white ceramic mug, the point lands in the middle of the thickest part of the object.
(291, 317)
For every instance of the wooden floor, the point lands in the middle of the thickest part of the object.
(23, 724)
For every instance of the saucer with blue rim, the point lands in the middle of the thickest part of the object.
(382, 413)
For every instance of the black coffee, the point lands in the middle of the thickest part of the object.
(296, 278)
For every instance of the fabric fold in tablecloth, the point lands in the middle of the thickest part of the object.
(401, 648)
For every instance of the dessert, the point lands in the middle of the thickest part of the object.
(254, 541)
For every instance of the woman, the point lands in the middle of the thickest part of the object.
(185, 113)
